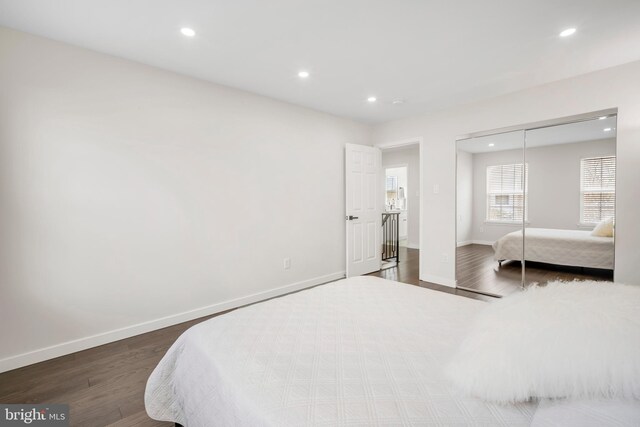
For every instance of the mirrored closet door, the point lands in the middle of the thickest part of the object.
(536, 205)
(490, 206)
(571, 191)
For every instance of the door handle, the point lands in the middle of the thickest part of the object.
(351, 218)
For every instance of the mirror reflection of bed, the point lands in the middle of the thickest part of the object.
(545, 196)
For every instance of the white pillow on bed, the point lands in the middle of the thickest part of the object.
(603, 229)
(566, 339)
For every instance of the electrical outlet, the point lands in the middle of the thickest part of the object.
(445, 257)
(287, 263)
(482, 229)
(436, 188)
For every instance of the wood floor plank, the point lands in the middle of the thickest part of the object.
(139, 419)
(47, 391)
(95, 417)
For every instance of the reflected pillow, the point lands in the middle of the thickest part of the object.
(565, 339)
(603, 229)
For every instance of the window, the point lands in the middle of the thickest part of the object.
(597, 189)
(506, 198)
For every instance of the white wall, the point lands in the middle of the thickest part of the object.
(465, 197)
(133, 198)
(554, 181)
(617, 87)
(409, 156)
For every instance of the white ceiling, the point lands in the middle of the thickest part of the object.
(590, 130)
(431, 53)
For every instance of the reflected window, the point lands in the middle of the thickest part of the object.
(597, 189)
(506, 194)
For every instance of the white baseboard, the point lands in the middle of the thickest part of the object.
(413, 246)
(42, 354)
(444, 281)
(482, 242)
(474, 242)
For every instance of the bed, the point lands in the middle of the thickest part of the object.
(576, 248)
(360, 351)
(366, 351)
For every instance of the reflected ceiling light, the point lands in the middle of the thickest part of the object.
(607, 129)
(492, 144)
(372, 99)
(567, 32)
(186, 31)
(602, 118)
(303, 74)
(397, 101)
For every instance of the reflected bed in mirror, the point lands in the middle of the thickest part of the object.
(528, 202)
(490, 204)
(571, 191)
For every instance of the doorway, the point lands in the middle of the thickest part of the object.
(401, 194)
(396, 198)
(365, 208)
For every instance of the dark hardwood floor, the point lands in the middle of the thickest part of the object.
(407, 271)
(105, 385)
(476, 269)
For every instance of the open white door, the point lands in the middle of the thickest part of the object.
(364, 209)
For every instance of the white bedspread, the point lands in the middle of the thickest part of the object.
(587, 413)
(360, 351)
(562, 247)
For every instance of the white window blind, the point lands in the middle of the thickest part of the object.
(597, 189)
(506, 194)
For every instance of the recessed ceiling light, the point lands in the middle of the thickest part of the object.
(567, 32)
(607, 129)
(602, 118)
(492, 144)
(186, 31)
(372, 99)
(303, 74)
